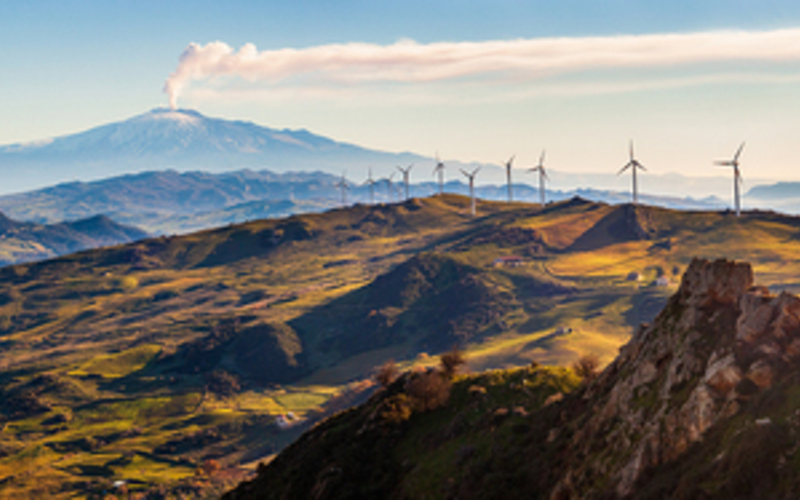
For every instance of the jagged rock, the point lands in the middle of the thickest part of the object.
(761, 374)
(681, 375)
(722, 374)
(718, 339)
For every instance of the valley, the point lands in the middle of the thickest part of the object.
(144, 361)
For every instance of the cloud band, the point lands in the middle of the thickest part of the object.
(408, 61)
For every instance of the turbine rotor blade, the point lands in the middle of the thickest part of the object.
(626, 167)
(541, 158)
(738, 152)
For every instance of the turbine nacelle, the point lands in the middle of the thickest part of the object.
(470, 175)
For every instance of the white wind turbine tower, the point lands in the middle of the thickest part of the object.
(406, 174)
(344, 186)
(471, 188)
(633, 164)
(371, 183)
(737, 178)
(439, 169)
(508, 177)
(390, 187)
(542, 177)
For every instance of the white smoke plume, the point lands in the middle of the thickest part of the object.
(408, 61)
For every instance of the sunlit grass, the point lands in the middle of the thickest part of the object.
(120, 364)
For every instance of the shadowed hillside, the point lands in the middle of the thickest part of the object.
(25, 241)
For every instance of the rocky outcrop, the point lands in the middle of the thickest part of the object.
(718, 342)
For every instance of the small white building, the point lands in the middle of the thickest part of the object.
(510, 261)
(286, 421)
(662, 281)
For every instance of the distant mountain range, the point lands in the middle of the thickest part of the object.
(783, 196)
(27, 241)
(166, 202)
(185, 140)
(182, 140)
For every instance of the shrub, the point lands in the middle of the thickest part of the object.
(451, 362)
(127, 283)
(222, 383)
(396, 409)
(210, 467)
(429, 390)
(387, 373)
(586, 366)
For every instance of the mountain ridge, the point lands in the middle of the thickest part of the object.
(28, 241)
(168, 201)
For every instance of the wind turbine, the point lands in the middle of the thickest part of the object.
(406, 173)
(439, 169)
(737, 177)
(344, 186)
(371, 182)
(471, 188)
(390, 187)
(633, 164)
(508, 177)
(542, 176)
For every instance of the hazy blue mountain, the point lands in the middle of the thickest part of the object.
(163, 193)
(182, 140)
(781, 196)
(777, 191)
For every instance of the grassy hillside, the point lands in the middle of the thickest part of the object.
(375, 451)
(141, 362)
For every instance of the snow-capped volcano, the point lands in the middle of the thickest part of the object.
(181, 139)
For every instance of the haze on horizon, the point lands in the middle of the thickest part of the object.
(688, 82)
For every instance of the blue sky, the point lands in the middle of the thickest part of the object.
(70, 65)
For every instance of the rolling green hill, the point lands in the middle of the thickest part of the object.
(142, 361)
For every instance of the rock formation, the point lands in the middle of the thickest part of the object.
(718, 342)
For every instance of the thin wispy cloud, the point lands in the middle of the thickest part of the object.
(502, 60)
